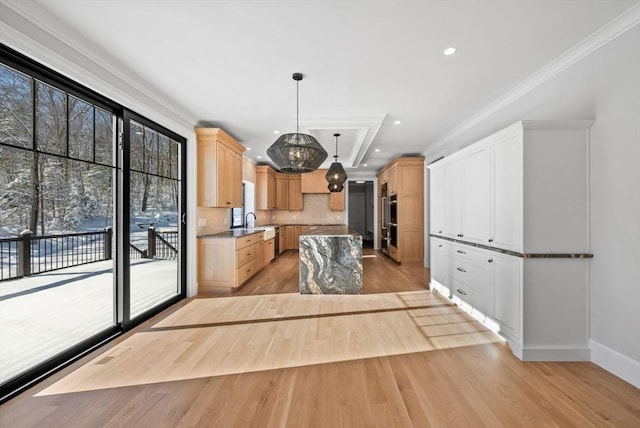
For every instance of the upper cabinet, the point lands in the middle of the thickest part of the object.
(539, 166)
(219, 169)
(336, 201)
(282, 191)
(277, 191)
(295, 192)
(265, 188)
(315, 182)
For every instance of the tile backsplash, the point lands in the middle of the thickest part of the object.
(316, 211)
(213, 220)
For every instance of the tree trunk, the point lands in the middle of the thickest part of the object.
(35, 194)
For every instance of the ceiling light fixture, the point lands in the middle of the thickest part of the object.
(276, 132)
(377, 150)
(364, 164)
(449, 51)
(336, 176)
(296, 152)
(397, 122)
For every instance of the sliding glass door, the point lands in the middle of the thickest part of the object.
(91, 210)
(154, 217)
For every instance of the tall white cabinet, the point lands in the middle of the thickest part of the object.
(510, 236)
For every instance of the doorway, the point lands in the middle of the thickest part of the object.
(361, 208)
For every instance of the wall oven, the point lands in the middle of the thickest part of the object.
(384, 220)
(392, 224)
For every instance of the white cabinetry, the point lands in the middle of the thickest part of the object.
(437, 202)
(505, 274)
(476, 193)
(506, 192)
(513, 244)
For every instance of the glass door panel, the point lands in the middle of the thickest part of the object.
(154, 219)
(56, 215)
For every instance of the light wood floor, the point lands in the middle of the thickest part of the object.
(398, 356)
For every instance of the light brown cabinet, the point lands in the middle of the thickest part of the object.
(269, 251)
(291, 238)
(315, 182)
(282, 191)
(219, 169)
(277, 191)
(405, 179)
(265, 188)
(336, 201)
(282, 244)
(295, 193)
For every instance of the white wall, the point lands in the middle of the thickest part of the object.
(603, 86)
(615, 218)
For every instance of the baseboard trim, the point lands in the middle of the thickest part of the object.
(549, 354)
(624, 367)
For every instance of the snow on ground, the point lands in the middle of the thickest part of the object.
(44, 314)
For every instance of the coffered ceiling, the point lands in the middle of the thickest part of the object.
(374, 71)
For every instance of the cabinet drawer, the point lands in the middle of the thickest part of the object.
(469, 273)
(475, 300)
(467, 253)
(245, 272)
(246, 255)
(245, 241)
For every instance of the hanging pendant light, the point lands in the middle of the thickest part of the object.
(336, 176)
(296, 152)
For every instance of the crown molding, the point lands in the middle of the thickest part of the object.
(30, 30)
(620, 25)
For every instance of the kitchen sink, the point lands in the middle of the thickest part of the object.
(269, 232)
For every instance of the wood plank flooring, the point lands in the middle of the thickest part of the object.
(398, 356)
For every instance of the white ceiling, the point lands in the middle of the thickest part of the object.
(366, 64)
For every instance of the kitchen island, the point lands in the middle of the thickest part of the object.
(330, 261)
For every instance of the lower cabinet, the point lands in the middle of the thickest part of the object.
(538, 304)
(226, 263)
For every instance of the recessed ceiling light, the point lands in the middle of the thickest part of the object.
(276, 132)
(360, 181)
(397, 122)
(449, 51)
(259, 157)
(248, 148)
(364, 164)
(377, 150)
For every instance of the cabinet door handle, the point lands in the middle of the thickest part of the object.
(461, 292)
(439, 231)
(228, 203)
(461, 252)
(460, 235)
(440, 246)
(460, 269)
(490, 239)
(490, 260)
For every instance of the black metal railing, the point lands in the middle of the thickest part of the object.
(29, 255)
(9, 253)
(165, 244)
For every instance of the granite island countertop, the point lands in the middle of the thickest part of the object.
(330, 261)
(332, 230)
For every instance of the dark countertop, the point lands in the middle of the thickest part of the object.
(234, 233)
(300, 224)
(341, 230)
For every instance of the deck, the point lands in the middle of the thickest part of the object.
(44, 314)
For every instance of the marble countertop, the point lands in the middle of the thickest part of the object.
(331, 231)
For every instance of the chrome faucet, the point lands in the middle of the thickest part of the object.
(246, 219)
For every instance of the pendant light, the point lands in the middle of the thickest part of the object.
(296, 152)
(336, 176)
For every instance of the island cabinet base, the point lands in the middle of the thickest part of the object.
(330, 261)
